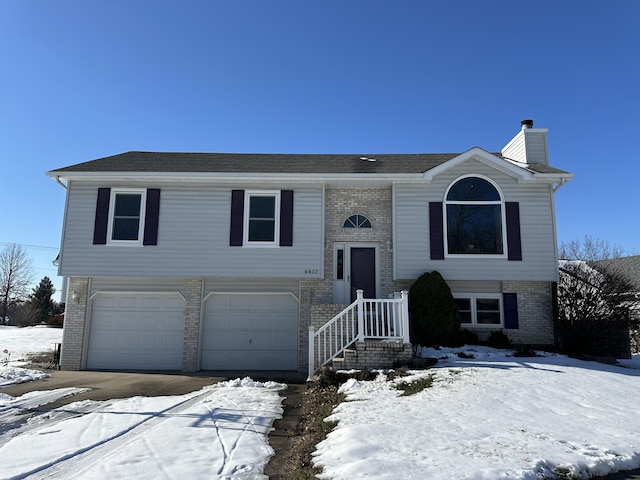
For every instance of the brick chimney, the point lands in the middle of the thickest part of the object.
(529, 145)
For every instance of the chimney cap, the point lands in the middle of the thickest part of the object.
(526, 124)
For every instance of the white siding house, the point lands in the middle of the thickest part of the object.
(181, 261)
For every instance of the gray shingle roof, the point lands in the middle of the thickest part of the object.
(627, 266)
(269, 163)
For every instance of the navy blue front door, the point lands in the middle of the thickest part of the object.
(363, 272)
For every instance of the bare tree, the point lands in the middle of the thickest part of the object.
(590, 250)
(16, 272)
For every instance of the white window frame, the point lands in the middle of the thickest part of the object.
(248, 194)
(503, 218)
(473, 297)
(112, 208)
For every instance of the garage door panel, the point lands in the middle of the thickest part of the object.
(239, 302)
(127, 302)
(136, 331)
(250, 331)
(284, 321)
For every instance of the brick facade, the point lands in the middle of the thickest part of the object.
(191, 342)
(74, 323)
(535, 313)
(376, 205)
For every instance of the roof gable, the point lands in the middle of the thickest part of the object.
(489, 159)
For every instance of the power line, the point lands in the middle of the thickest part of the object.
(40, 247)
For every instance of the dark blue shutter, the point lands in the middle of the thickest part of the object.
(152, 213)
(510, 305)
(514, 244)
(436, 231)
(102, 217)
(286, 218)
(237, 218)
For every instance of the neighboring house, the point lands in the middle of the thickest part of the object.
(629, 268)
(215, 261)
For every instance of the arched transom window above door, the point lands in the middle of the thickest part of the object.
(357, 221)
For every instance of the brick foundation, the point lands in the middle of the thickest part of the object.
(376, 354)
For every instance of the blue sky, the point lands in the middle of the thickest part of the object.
(83, 80)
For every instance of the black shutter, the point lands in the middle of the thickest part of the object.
(436, 231)
(152, 212)
(102, 217)
(510, 305)
(286, 218)
(514, 244)
(237, 218)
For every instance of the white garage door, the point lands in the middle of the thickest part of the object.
(250, 332)
(136, 332)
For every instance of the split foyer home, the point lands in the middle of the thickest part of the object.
(218, 261)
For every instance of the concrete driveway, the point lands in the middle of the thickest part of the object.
(113, 385)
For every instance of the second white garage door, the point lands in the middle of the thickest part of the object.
(250, 332)
(136, 332)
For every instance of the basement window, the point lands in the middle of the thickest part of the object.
(482, 310)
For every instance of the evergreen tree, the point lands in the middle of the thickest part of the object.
(40, 301)
(433, 312)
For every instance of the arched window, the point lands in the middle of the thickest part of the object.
(357, 221)
(474, 218)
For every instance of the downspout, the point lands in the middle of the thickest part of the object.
(562, 182)
(60, 183)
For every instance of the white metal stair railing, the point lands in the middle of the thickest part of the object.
(363, 319)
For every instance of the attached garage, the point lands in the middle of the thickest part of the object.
(250, 331)
(136, 331)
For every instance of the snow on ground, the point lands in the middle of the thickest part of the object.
(16, 343)
(489, 417)
(492, 416)
(19, 341)
(218, 432)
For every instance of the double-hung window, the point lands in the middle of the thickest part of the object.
(262, 218)
(126, 216)
(480, 310)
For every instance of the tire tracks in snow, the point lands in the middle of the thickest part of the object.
(228, 451)
(74, 463)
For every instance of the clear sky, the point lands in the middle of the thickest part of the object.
(82, 80)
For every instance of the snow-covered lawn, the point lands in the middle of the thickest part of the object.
(489, 417)
(493, 416)
(16, 343)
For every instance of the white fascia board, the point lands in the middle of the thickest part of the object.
(481, 155)
(231, 178)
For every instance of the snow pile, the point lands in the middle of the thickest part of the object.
(488, 417)
(10, 375)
